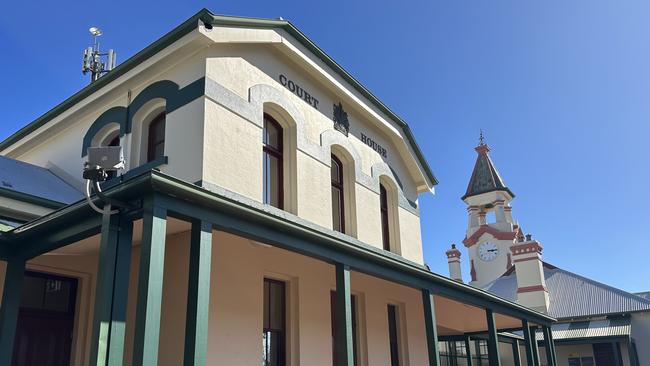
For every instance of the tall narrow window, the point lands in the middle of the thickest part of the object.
(354, 327)
(383, 204)
(393, 335)
(156, 138)
(273, 187)
(338, 208)
(273, 332)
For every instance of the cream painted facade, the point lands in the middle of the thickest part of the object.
(216, 140)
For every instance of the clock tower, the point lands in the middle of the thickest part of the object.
(490, 229)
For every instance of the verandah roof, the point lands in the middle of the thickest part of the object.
(233, 213)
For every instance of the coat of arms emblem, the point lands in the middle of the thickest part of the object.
(341, 122)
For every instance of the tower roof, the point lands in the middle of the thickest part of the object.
(485, 177)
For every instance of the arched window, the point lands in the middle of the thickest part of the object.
(156, 138)
(338, 201)
(385, 222)
(273, 159)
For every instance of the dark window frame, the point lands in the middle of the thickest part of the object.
(340, 186)
(276, 152)
(282, 348)
(385, 217)
(152, 145)
(393, 334)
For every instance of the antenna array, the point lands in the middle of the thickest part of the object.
(95, 62)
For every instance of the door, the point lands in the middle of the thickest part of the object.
(45, 320)
(606, 355)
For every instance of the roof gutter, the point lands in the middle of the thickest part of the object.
(202, 197)
(29, 198)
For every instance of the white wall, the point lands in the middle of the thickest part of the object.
(641, 334)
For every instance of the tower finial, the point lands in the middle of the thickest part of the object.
(481, 138)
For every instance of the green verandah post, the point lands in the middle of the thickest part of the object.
(150, 283)
(533, 334)
(11, 295)
(469, 351)
(529, 343)
(344, 348)
(109, 323)
(516, 355)
(431, 327)
(198, 294)
(550, 352)
(493, 340)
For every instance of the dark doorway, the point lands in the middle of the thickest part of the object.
(45, 320)
(607, 354)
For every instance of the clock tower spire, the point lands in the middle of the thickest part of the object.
(491, 230)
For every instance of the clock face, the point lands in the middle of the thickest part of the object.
(488, 251)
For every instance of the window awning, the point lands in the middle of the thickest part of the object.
(619, 327)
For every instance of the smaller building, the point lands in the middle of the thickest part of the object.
(596, 324)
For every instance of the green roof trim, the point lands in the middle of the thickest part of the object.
(208, 17)
(28, 198)
(244, 217)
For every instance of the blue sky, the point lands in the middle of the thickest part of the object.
(561, 89)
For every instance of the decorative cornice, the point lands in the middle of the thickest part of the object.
(453, 253)
(499, 235)
(526, 248)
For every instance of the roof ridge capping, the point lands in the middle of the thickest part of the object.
(207, 17)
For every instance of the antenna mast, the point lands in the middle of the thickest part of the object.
(94, 61)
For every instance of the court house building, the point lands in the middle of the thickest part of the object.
(267, 213)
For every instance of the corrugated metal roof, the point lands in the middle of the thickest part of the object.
(589, 329)
(33, 180)
(574, 296)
